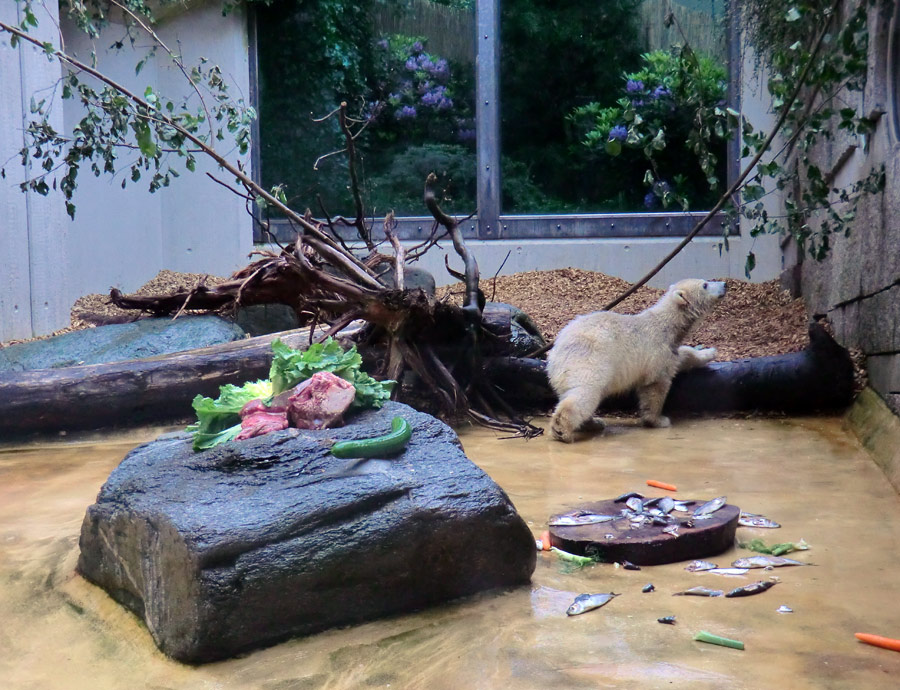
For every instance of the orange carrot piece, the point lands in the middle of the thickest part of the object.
(661, 485)
(545, 539)
(879, 641)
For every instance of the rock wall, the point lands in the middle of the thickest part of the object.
(858, 286)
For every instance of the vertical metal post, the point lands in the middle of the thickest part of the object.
(487, 115)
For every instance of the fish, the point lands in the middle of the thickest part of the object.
(588, 602)
(699, 592)
(784, 609)
(754, 520)
(648, 588)
(709, 507)
(671, 529)
(668, 620)
(635, 504)
(572, 520)
(697, 566)
(650, 502)
(766, 562)
(727, 571)
(752, 588)
(666, 504)
(628, 565)
(625, 497)
(682, 506)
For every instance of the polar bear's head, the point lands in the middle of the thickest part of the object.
(696, 296)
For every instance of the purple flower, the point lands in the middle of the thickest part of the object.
(637, 102)
(412, 64)
(634, 86)
(439, 69)
(407, 112)
(619, 132)
(465, 134)
(383, 43)
(650, 200)
(660, 92)
(434, 97)
(416, 48)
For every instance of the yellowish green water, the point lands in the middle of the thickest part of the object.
(58, 631)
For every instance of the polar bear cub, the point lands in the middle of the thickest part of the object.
(604, 353)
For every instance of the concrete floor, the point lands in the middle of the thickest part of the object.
(810, 475)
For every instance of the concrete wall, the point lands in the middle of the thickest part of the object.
(858, 286)
(119, 237)
(33, 289)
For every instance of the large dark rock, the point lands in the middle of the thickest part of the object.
(255, 541)
(119, 342)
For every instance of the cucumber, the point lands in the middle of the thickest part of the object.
(391, 443)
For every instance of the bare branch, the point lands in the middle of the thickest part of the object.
(399, 252)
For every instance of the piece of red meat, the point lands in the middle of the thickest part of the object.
(260, 423)
(320, 401)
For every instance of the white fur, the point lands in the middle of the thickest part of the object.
(604, 353)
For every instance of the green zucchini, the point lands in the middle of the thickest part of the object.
(391, 443)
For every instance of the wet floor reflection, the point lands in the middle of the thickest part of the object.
(57, 631)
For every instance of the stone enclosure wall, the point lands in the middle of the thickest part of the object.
(858, 286)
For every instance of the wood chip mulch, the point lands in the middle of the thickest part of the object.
(752, 321)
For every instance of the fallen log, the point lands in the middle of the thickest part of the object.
(159, 390)
(818, 378)
(155, 390)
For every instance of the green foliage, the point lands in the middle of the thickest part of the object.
(557, 56)
(144, 135)
(664, 138)
(406, 95)
(784, 34)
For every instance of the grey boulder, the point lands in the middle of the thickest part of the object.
(120, 342)
(256, 541)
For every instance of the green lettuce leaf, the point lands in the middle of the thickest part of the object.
(290, 367)
(217, 419)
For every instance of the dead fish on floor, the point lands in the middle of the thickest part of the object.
(754, 520)
(766, 562)
(648, 588)
(671, 529)
(588, 602)
(698, 566)
(667, 620)
(580, 518)
(625, 497)
(628, 565)
(710, 507)
(727, 571)
(752, 588)
(699, 592)
(635, 504)
(784, 609)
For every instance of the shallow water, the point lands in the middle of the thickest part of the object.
(58, 631)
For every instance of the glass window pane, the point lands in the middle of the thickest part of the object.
(406, 71)
(586, 89)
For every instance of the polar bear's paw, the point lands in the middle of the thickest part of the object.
(561, 426)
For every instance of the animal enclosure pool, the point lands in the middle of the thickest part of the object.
(808, 474)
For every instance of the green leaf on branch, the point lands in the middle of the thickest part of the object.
(145, 140)
(750, 264)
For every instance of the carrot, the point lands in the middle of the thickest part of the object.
(545, 539)
(879, 641)
(662, 485)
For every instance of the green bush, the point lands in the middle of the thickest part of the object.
(663, 141)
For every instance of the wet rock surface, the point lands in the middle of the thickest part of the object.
(256, 541)
(119, 342)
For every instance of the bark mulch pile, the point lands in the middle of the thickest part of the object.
(753, 320)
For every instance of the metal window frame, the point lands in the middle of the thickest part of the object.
(490, 223)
